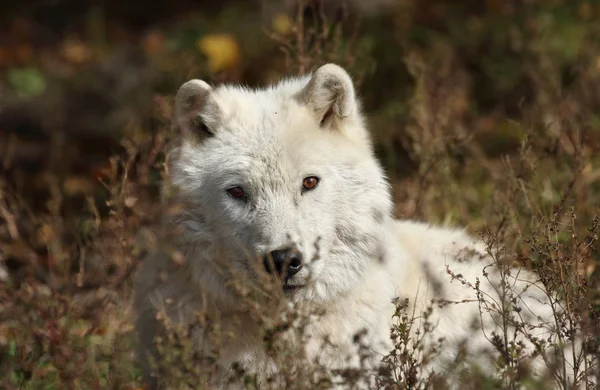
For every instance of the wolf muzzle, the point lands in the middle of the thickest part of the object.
(285, 262)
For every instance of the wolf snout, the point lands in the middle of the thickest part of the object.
(285, 262)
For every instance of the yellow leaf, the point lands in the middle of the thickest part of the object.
(282, 24)
(221, 50)
(76, 52)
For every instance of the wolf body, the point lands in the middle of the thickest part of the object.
(291, 167)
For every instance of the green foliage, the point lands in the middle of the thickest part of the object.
(27, 82)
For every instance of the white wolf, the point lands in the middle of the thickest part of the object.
(288, 174)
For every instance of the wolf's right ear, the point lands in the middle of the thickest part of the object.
(196, 110)
(330, 95)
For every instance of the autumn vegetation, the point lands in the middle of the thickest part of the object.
(485, 114)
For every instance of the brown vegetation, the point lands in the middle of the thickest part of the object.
(485, 114)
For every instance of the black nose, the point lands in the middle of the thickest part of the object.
(286, 262)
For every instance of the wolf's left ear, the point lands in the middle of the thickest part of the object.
(196, 110)
(330, 95)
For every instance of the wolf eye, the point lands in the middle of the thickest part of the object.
(310, 183)
(236, 192)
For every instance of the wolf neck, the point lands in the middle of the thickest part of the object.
(369, 305)
(390, 260)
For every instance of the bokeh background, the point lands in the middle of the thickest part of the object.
(485, 114)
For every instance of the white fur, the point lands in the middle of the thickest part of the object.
(357, 257)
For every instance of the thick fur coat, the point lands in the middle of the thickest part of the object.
(356, 258)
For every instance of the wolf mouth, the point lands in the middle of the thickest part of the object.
(287, 287)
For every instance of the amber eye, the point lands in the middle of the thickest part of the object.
(310, 182)
(236, 192)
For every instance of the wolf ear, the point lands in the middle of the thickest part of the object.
(330, 95)
(196, 111)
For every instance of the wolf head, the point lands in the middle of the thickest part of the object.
(285, 174)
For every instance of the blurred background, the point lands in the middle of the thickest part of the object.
(484, 113)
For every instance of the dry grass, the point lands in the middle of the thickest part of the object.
(524, 175)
